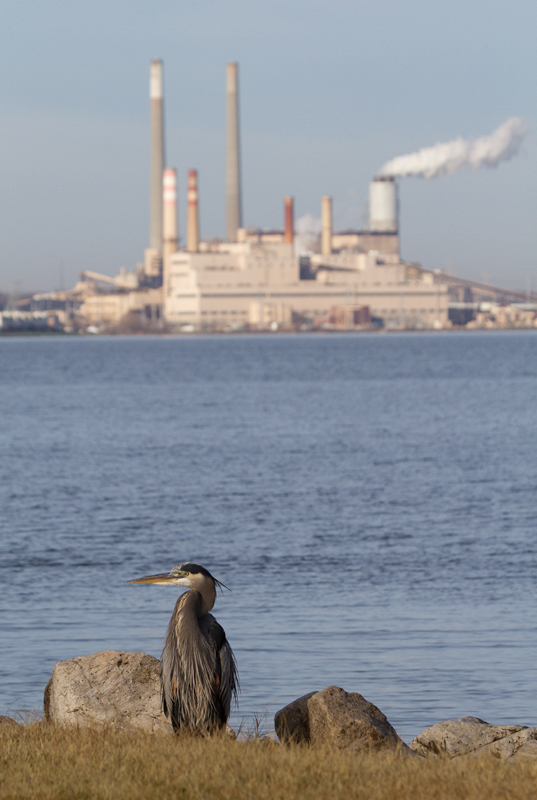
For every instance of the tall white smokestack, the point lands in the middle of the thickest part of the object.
(170, 215)
(383, 205)
(233, 167)
(157, 157)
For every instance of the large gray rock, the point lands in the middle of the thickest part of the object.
(473, 737)
(342, 719)
(348, 720)
(292, 722)
(112, 687)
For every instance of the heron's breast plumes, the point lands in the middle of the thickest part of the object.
(188, 668)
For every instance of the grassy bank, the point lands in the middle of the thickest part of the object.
(42, 762)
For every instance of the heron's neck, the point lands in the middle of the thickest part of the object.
(206, 598)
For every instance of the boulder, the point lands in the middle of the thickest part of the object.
(112, 687)
(473, 737)
(342, 719)
(519, 745)
(348, 720)
(8, 722)
(292, 721)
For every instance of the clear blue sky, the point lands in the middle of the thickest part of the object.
(330, 90)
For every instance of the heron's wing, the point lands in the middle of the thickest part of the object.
(230, 680)
(226, 665)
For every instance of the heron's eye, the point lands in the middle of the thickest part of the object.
(186, 574)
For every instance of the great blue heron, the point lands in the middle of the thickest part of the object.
(199, 673)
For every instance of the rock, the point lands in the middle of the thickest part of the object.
(473, 737)
(292, 721)
(456, 738)
(348, 720)
(7, 722)
(112, 687)
(521, 744)
(342, 719)
(528, 749)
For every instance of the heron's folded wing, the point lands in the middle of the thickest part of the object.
(230, 681)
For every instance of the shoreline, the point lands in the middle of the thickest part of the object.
(155, 334)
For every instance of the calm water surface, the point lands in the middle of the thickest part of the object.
(370, 500)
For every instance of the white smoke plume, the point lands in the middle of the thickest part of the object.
(446, 158)
(307, 235)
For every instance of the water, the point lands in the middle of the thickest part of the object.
(369, 499)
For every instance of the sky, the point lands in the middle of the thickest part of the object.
(329, 91)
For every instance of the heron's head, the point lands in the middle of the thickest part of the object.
(188, 574)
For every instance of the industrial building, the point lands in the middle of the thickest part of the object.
(258, 283)
(257, 279)
(261, 279)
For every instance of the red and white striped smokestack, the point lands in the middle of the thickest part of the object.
(289, 220)
(192, 225)
(169, 197)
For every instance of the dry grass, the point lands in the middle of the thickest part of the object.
(40, 761)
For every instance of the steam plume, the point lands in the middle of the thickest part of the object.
(449, 157)
(307, 235)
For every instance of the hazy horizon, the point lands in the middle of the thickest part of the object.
(329, 92)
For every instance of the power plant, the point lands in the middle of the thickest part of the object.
(258, 279)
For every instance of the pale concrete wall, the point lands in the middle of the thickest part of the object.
(226, 288)
(111, 308)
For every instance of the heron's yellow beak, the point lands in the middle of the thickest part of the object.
(164, 579)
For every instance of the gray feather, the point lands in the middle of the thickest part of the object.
(199, 677)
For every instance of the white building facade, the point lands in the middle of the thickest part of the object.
(251, 283)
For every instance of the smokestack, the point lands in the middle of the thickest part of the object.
(289, 220)
(233, 167)
(169, 185)
(383, 205)
(192, 224)
(326, 220)
(157, 156)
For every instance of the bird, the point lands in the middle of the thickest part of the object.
(199, 671)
